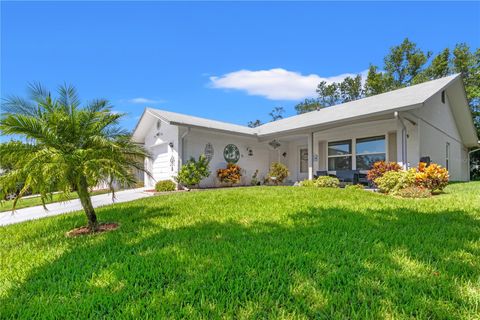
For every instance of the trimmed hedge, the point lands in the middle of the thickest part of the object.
(165, 185)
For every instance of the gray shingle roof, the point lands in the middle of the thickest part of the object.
(386, 102)
(396, 100)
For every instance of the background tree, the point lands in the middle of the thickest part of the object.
(65, 147)
(328, 94)
(308, 105)
(405, 62)
(254, 123)
(277, 113)
(377, 82)
(351, 89)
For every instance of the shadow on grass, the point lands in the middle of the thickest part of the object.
(323, 263)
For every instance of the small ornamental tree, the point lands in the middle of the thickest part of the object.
(278, 173)
(230, 175)
(194, 171)
(65, 147)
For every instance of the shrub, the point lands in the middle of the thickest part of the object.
(326, 182)
(354, 187)
(255, 181)
(307, 183)
(432, 177)
(278, 173)
(192, 172)
(165, 185)
(393, 181)
(231, 174)
(379, 168)
(414, 192)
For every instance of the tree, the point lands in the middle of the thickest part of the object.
(308, 105)
(351, 89)
(277, 113)
(404, 62)
(66, 147)
(377, 82)
(254, 124)
(440, 66)
(328, 94)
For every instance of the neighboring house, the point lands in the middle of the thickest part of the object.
(431, 119)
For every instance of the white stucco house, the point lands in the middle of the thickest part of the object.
(431, 119)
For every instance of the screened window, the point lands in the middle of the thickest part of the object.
(369, 151)
(340, 155)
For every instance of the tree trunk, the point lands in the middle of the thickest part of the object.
(82, 189)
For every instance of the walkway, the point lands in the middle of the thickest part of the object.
(57, 208)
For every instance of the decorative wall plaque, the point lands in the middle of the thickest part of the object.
(209, 151)
(231, 153)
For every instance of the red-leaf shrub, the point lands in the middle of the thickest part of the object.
(379, 168)
(433, 177)
(231, 174)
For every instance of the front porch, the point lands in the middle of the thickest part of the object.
(350, 147)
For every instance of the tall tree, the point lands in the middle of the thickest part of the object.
(277, 113)
(254, 123)
(328, 94)
(377, 82)
(66, 147)
(351, 89)
(404, 62)
(308, 105)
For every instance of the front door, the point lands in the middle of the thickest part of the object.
(303, 164)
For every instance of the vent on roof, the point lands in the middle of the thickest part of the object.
(443, 96)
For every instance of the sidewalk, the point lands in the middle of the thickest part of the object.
(57, 208)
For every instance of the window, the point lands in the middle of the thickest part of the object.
(447, 154)
(443, 96)
(340, 155)
(369, 151)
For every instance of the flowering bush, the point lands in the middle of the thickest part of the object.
(278, 173)
(165, 185)
(393, 181)
(433, 177)
(414, 192)
(379, 168)
(230, 175)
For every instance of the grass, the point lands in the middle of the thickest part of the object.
(36, 201)
(261, 252)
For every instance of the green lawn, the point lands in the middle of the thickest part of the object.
(36, 201)
(261, 252)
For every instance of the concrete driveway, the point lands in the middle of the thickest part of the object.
(57, 208)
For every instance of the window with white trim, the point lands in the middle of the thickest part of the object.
(340, 155)
(369, 150)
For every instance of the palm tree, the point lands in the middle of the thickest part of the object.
(65, 147)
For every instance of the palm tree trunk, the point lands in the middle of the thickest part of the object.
(84, 196)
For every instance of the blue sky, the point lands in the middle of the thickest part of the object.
(227, 61)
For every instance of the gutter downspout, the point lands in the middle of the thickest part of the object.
(404, 140)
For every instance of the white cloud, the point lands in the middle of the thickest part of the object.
(141, 100)
(275, 84)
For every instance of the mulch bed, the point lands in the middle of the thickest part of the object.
(104, 227)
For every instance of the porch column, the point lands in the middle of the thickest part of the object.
(310, 155)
